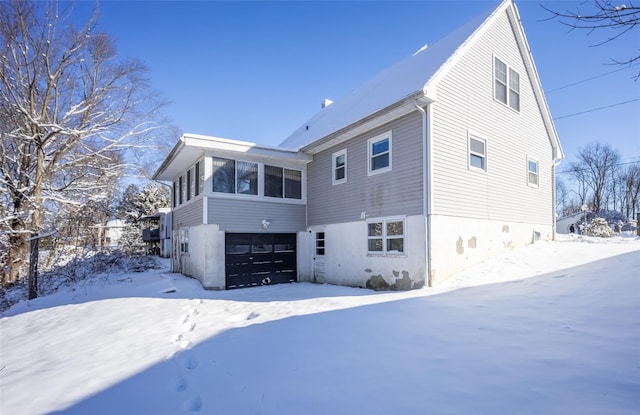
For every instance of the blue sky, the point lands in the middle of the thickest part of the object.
(256, 71)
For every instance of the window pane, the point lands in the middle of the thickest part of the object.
(514, 80)
(340, 160)
(476, 161)
(533, 178)
(273, 181)
(247, 178)
(380, 162)
(189, 185)
(375, 229)
(514, 100)
(395, 245)
(476, 146)
(224, 175)
(395, 228)
(340, 173)
(283, 248)
(261, 248)
(197, 179)
(501, 71)
(237, 249)
(375, 245)
(533, 166)
(380, 147)
(501, 92)
(292, 184)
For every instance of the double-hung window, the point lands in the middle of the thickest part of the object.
(386, 236)
(506, 84)
(477, 153)
(532, 173)
(339, 162)
(379, 151)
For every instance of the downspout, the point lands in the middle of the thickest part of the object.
(426, 185)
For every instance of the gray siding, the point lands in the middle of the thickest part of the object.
(246, 215)
(465, 103)
(397, 192)
(188, 214)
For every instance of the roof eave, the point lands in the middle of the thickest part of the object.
(380, 117)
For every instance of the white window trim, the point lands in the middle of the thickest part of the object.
(334, 157)
(508, 85)
(471, 135)
(370, 142)
(384, 237)
(529, 159)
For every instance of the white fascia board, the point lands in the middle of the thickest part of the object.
(212, 145)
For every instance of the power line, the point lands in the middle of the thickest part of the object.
(596, 109)
(591, 79)
(583, 168)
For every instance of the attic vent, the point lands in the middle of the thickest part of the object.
(420, 50)
(326, 103)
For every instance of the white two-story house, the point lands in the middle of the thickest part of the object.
(441, 161)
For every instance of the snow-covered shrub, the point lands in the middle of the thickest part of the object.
(597, 227)
(79, 267)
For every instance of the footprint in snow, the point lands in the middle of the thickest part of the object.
(194, 404)
(190, 362)
(189, 325)
(181, 384)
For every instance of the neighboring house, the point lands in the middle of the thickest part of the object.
(569, 223)
(441, 161)
(156, 233)
(113, 232)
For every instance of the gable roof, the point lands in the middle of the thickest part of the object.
(397, 90)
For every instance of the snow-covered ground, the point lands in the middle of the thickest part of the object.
(553, 328)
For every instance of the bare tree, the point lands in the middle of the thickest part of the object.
(69, 113)
(630, 182)
(595, 169)
(618, 18)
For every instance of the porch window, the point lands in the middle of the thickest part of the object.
(224, 175)
(189, 184)
(199, 178)
(386, 236)
(247, 174)
(281, 182)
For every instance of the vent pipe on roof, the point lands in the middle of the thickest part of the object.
(325, 103)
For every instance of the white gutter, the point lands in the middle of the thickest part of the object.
(427, 189)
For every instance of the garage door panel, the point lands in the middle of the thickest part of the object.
(259, 259)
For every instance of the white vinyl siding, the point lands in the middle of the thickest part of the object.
(398, 192)
(339, 165)
(379, 148)
(466, 103)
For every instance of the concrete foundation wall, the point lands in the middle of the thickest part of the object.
(460, 242)
(347, 261)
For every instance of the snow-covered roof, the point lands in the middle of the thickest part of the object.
(407, 79)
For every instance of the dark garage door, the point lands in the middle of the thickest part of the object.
(259, 259)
